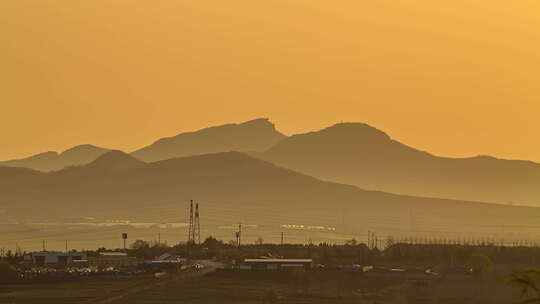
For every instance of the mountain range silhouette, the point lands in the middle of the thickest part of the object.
(347, 153)
(52, 161)
(256, 135)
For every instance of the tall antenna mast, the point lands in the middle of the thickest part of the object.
(197, 226)
(191, 230)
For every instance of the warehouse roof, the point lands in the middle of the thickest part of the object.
(278, 260)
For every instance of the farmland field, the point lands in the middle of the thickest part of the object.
(66, 292)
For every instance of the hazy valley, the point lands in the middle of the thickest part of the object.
(91, 204)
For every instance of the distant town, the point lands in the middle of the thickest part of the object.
(412, 265)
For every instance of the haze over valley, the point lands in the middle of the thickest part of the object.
(317, 187)
(276, 151)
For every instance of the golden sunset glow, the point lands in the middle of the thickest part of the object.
(455, 78)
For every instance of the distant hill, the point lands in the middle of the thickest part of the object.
(347, 153)
(252, 136)
(234, 187)
(106, 164)
(52, 161)
(361, 155)
(255, 135)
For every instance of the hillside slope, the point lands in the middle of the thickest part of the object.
(52, 161)
(254, 135)
(233, 187)
(361, 155)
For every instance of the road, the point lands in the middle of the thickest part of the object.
(209, 266)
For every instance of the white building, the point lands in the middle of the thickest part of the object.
(44, 258)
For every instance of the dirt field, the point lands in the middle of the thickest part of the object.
(235, 291)
(324, 287)
(66, 292)
(250, 288)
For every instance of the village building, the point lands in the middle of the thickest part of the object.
(276, 264)
(54, 258)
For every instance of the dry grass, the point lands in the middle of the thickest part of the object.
(65, 292)
(260, 288)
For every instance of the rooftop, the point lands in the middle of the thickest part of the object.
(116, 254)
(278, 260)
(57, 253)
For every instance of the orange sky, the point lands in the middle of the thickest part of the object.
(456, 78)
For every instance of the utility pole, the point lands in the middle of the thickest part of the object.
(67, 247)
(124, 238)
(159, 238)
(239, 234)
(43, 245)
(281, 238)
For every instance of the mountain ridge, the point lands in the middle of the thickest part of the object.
(253, 135)
(361, 155)
(52, 160)
(346, 153)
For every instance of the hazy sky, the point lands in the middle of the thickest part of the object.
(456, 78)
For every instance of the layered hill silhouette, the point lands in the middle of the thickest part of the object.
(252, 136)
(358, 154)
(233, 186)
(52, 161)
(255, 135)
(348, 153)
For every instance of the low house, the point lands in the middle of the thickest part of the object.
(113, 259)
(169, 258)
(165, 262)
(276, 264)
(80, 264)
(53, 258)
